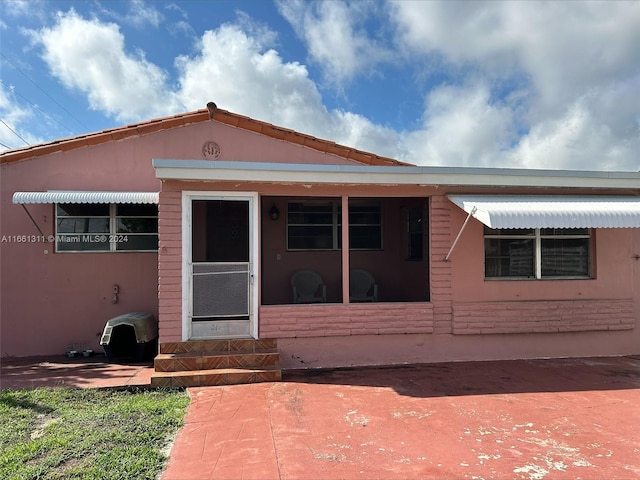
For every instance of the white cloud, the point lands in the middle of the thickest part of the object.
(234, 70)
(90, 56)
(16, 121)
(139, 14)
(355, 130)
(459, 31)
(175, 8)
(335, 36)
(578, 63)
(526, 85)
(231, 67)
(259, 32)
(178, 21)
(577, 141)
(181, 27)
(462, 127)
(238, 73)
(19, 9)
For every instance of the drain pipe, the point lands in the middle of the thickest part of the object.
(446, 258)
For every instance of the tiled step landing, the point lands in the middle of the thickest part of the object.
(216, 362)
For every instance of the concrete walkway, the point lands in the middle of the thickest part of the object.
(554, 419)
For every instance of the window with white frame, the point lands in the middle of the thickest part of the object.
(101, 227)
(537, 253)
(317, 225)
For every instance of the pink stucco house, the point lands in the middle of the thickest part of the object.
(203, 219)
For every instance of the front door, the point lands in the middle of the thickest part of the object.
(221, 268)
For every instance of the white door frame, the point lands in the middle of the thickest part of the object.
(254, 217)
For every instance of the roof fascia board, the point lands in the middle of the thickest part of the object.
(170, 169)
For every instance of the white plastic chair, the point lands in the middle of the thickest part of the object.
(362, 286)
(308, 287)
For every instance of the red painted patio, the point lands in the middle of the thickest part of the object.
(529, 419)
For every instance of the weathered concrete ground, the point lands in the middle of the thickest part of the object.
(573, 418)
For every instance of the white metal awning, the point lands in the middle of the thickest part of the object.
(515, 211)
(66, 196)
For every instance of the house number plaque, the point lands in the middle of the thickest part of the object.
(211, 150)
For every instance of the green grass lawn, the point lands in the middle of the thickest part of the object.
(55, 433)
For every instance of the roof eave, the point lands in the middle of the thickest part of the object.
(383, 175)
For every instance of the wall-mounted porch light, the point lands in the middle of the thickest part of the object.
(274, 213)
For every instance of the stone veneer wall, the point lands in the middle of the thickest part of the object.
(542, 316)
(440, 278)
(322, 320)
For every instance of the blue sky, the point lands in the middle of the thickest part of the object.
(497, 84)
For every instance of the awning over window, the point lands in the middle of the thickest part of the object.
(513, 211)
(59, 196)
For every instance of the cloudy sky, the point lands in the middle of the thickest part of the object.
(502, 84)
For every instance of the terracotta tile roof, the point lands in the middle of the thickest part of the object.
(223, 116)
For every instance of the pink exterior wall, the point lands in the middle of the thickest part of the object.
(542, 316)
(234, 146)
(397, 317)
(170, 266)
(52, 300)
(614, 269)
(467, 318)
(605, 302)
(475, 330)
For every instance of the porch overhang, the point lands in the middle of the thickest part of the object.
(70, 196)
(206, 170)
(513, 211)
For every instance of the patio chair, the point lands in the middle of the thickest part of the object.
(308, 287)
(362, 286)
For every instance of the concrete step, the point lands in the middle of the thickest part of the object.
(211, 346)
(200, 363)
(220, 376)
(179, 362)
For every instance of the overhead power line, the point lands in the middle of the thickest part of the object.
(43, 91)
(13, 90)
(14, 132)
